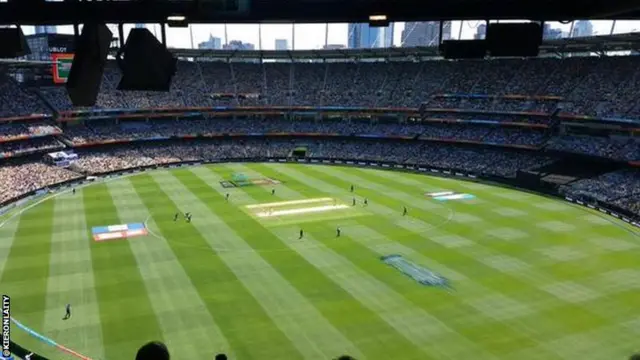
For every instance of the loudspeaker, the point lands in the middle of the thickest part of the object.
(509, 39)
(463, 49)
(147, 65)
(85, 76)
(12, 43)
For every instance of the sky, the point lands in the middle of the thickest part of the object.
(312, 36)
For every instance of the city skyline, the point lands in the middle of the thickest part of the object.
(424, 33)
(362, 35)
(312, 36)
(282, 44)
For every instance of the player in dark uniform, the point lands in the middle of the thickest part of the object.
(353, 203)
(366, 202)
(301, 234)
(189, 218)
(67, 314)
(73, 191)
(404, 211)
(226, 197)
(273, 191)
(351, 188)
(175, 217)
(338, 232)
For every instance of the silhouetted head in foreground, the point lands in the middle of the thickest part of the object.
(635, 357)
(221, 357)
(347, 357)
(154, 350)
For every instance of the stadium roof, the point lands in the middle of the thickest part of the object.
(593, 44)
(210, 11)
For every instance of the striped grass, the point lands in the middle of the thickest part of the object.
(533, 278)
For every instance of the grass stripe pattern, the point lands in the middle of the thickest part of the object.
(259, 271)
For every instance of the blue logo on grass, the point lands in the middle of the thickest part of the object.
(10, 357)
(418, 273)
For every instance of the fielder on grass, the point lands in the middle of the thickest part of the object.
(67, 314)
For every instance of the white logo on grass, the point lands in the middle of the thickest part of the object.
(6, 327)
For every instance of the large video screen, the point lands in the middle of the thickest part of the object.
(61, 67)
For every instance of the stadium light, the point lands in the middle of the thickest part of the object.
(378, 20)
(177, 21)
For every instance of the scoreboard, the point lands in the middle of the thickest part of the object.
(61, 47)
(61, 67)
(55, 49)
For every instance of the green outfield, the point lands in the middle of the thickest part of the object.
(531, 277)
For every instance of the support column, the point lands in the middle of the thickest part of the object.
(293, 36)
(163, 34)
(191, 35)
(121, 34)
(326, 35)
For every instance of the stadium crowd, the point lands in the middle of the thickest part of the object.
(600, 87)
(618, 188)
(623, 149)
(444, 156)
(15, 100)
(15, 131)
(619, 149)
(23, 177)
(109, 131)
(621, 188)
(17, 148)
(100, 160)
(489, 92)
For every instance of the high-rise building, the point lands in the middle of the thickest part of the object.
(214, 43)
(48, 29)
(425, 33)
(388, 35)
(446, 30)
(282, 44)
(362, 35)
(549, 33)
(238, 45)
(582, 28)
(481, 32)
